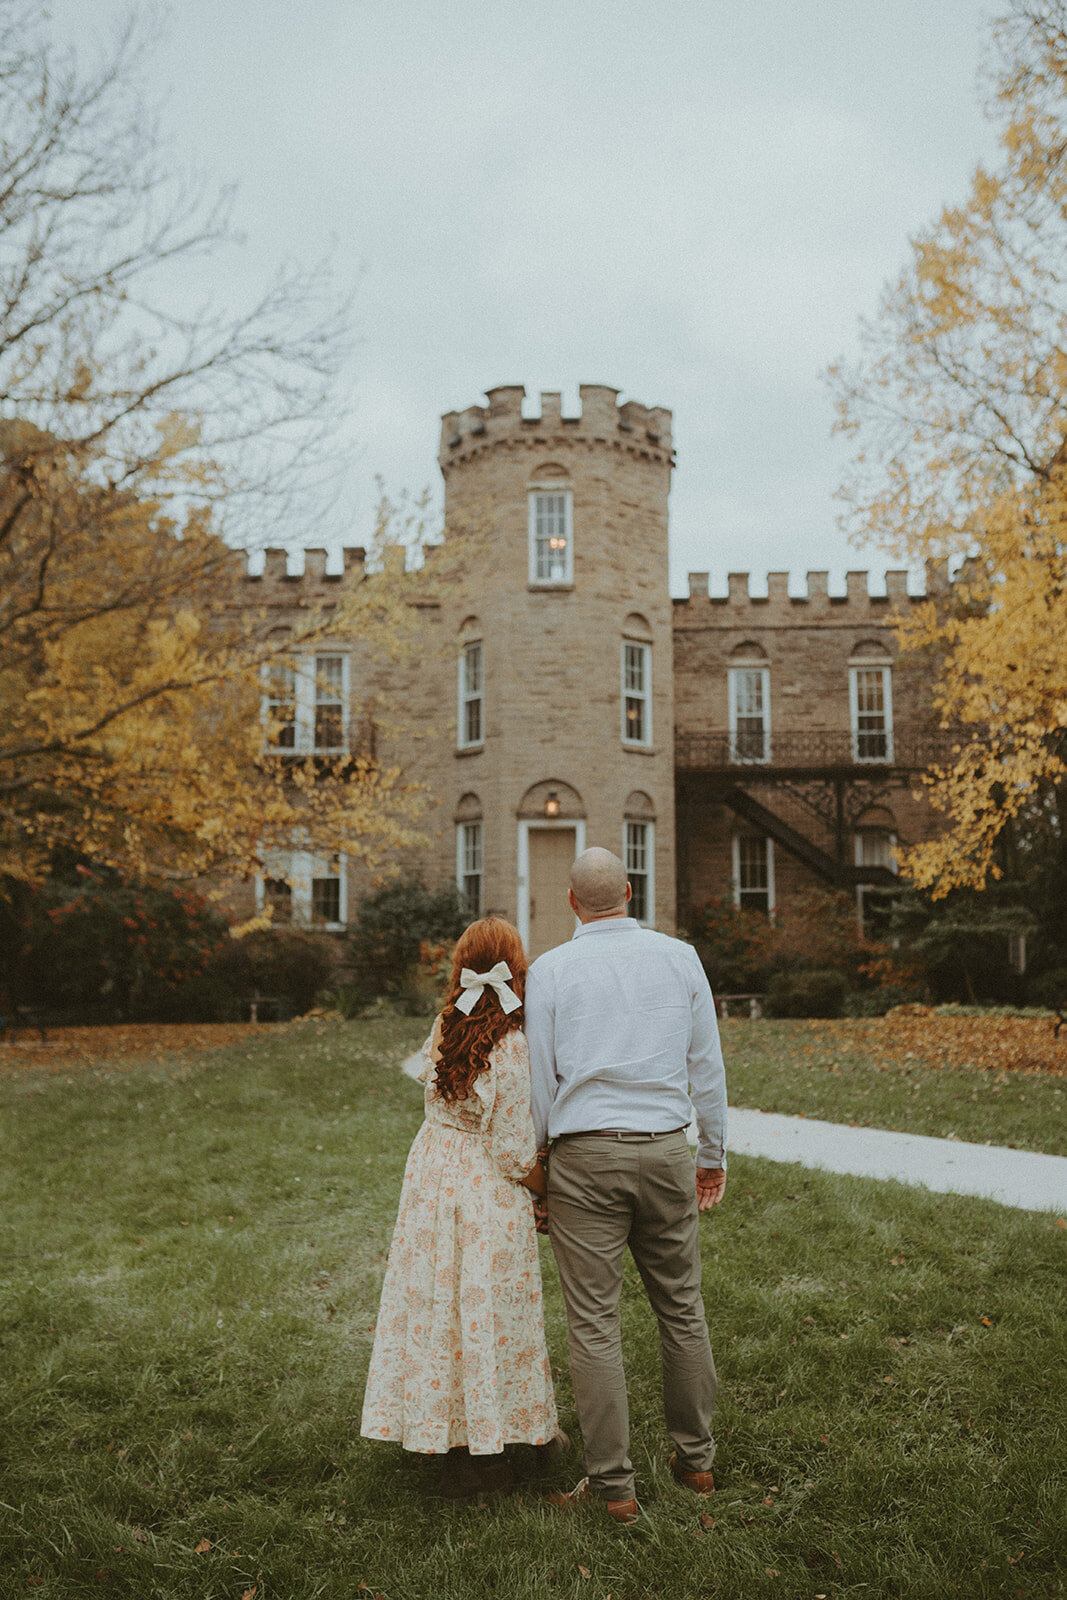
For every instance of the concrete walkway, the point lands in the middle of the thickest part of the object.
(1019, 1178)
(949, 1166)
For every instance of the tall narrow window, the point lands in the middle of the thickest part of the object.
(875, 847)
(636, 693)
(469, 866)
(750, 721)
(280, 706)
(638, 857)
(470, 712)
(551, 557)
(871, 705)
(329, 725)
(326, 892)
(753, 872)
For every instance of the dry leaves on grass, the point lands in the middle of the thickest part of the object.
(122, 1046)
(917, 1036)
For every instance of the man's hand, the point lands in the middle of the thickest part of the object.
(711, 1181)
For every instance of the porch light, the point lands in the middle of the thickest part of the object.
(552, 804)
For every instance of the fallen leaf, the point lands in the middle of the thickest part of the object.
(768, 1500)
(205, 1544)
(707, 1520)
(987, 1322)
(837, 1561)
(772, 1572)
(250, 1594)
(585, 1572)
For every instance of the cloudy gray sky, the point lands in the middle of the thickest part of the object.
(694, 202)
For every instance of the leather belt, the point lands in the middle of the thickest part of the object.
(618, 1133)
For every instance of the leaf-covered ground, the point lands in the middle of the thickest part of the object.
(120, 1046)
(192, 1254)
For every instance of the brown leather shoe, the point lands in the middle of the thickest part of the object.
(623, 1511)
(699, 1482)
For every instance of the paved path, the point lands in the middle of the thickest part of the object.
(949, 1166)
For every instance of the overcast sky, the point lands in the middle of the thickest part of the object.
(693, 202)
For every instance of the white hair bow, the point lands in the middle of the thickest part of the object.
(474, 984)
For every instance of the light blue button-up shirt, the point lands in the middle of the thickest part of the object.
(622, 1032)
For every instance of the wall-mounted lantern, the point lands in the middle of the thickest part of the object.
(552, 804)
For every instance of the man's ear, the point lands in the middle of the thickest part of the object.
(572, 902)
(629, 892)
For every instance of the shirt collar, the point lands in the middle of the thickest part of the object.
(607, 925)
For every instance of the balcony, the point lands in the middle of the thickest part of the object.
(814, 751)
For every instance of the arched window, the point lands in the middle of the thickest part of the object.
(870, 698)
(470, 854)
(749, 693)
(551, 532)
(470, 693)
(639, 854)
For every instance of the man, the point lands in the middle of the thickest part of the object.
(624, 1044)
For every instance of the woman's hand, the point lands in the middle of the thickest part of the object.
(536, 1179)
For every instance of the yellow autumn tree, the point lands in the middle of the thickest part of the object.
(137, 446)
(958, 407)
(132, 677)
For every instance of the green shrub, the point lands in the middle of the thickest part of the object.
(90, 947)
(391, 928)
(290, 964)
(818, 992)
(876, 1002)
(741, 950)
(1048, 988)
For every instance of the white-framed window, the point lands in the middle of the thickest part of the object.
(870, 693)
(875, 847)
(551, 536)
(638, 846)
(279, 705)
(305, 889)
(470, 712)
(749, 689)
(306, 704)
(636, 692)
(469, 865)
(754, 872)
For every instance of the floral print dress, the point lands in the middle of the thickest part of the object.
(459, 1352)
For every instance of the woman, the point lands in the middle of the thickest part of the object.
(459, 1366)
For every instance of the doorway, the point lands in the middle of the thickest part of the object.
(551, 853)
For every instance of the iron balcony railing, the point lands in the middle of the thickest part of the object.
(909, 747)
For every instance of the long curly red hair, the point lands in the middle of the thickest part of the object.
(464, 1043)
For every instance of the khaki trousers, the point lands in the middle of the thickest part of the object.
(605, 1194)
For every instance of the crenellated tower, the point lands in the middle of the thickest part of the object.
(563, 648)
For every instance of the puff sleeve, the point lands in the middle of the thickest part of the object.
(509, 1134)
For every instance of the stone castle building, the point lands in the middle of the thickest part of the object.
(746, 745)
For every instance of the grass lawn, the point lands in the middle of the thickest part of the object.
(192, 1252)
(961, 1077)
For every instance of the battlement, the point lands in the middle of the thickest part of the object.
(276, 567)
(601, 418)
(779, 605)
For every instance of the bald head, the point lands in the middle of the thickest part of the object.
(598, 884)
